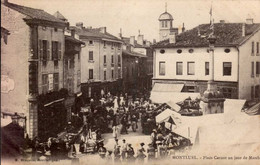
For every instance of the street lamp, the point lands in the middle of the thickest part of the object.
(212, 98)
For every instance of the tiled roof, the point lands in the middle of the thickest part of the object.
(86, 32)
(32, 13)
(72, 39)
(58, 15)
(227, 34)
(135, 54)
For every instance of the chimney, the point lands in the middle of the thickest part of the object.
(120, 34)
(103, 29)
(73, 33)
(140, 39)
(79, 25)
(249, 21)
(132, 40)
(243, 30)
(172, 38)
(222, 21)
(154, 41)
(183, 28)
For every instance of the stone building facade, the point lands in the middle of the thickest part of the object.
(186, 60)
(101, 62)
(33, 61)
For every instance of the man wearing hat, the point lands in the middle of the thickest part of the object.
(124, 149)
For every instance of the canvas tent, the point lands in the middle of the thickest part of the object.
(190, 126)
(254, 110)
(169, 116)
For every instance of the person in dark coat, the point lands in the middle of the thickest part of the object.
(130, 153)
(102, 150)
(124, 123)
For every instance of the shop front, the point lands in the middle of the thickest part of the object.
(52, 114)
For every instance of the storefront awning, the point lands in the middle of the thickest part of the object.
(172, 97)
(161, 87)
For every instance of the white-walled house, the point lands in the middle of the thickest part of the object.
(185, 59)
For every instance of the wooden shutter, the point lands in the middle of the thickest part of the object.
(48, 51)
(59, 50)
(40, 51)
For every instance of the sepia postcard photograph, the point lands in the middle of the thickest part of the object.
(122, 82)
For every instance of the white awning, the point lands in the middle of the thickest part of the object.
(172, 97)
(161, 87)
(166, 114)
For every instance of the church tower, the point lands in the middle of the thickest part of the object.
(165, 25)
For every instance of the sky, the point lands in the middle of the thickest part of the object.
(135, 15)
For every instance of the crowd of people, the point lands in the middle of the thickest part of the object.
(116, 115)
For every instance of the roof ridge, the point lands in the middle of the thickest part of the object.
(16, 5)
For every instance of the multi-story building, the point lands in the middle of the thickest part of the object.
(142, 49)
(133, 70)
(185, 59)
(72, 69)
(101, 61)
(32, 63)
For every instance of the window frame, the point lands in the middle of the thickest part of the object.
(45, 84)
(162, 71)
(90, 74)
(105, 59)
(105, 75)
(188, 68)
(91, 54)
(257, 49)
(207, 70)
(112, 59)
(177, 73)
(56, 83)
(252, 69)
(253, 48)
(257, 68)
(223, 68)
